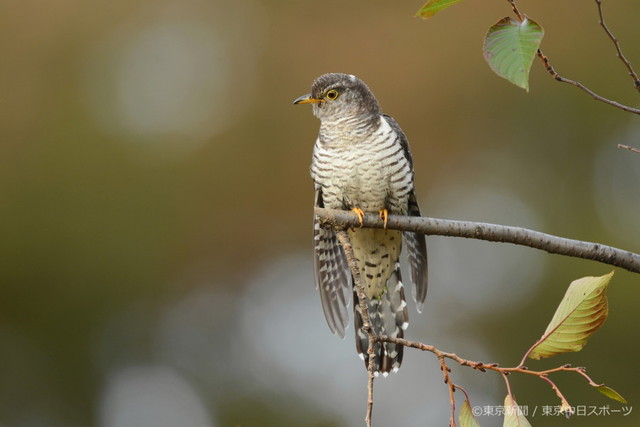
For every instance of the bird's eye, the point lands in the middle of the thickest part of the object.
(331, 94)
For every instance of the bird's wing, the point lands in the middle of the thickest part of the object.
(415, 242)
(404, 142)
(332, 273)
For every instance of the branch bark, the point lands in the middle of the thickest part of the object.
(490, 232)
(343, 237)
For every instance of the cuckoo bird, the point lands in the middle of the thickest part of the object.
(361, 162)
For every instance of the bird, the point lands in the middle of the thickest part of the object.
(361, 162)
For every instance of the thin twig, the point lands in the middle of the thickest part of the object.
(558, 77)
(614, 39)
(452, 389)
(490, 232)
(592, 383)
(565, 407)
(343, 237)
(483, 367)
(627, 147)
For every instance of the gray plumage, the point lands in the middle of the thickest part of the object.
(361, 160)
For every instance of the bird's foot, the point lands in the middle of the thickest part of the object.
(384, 216)
(360, 214)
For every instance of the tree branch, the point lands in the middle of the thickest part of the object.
(491, 232)
(452, 389)
(519, 15)
(558, 77)
(340, 220)
(627, 147)
(614, 39)
(483, 367)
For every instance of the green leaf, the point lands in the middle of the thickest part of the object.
(510, 47)
(432, 7)
(609, 392)
(513, 417)
(465, 417)
(582, 311)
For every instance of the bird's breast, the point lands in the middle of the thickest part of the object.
(371, 174)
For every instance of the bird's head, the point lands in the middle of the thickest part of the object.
(337, 95)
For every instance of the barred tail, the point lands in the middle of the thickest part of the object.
(388, 316)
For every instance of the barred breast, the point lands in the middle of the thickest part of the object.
(370, 173)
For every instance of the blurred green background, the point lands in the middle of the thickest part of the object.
(155, 259)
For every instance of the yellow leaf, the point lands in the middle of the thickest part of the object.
(465, 417)
(582, 311)
(513, 416)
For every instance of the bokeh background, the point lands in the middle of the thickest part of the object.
(155, 202)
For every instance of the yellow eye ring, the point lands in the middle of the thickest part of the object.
(331, 95)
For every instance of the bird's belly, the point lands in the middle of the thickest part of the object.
(367, 187)
(377, 252)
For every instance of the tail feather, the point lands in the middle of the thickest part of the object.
(388, 316)
(417, 256)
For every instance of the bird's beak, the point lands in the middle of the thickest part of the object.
(307, 99)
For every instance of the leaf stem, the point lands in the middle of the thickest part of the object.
(519, 15)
